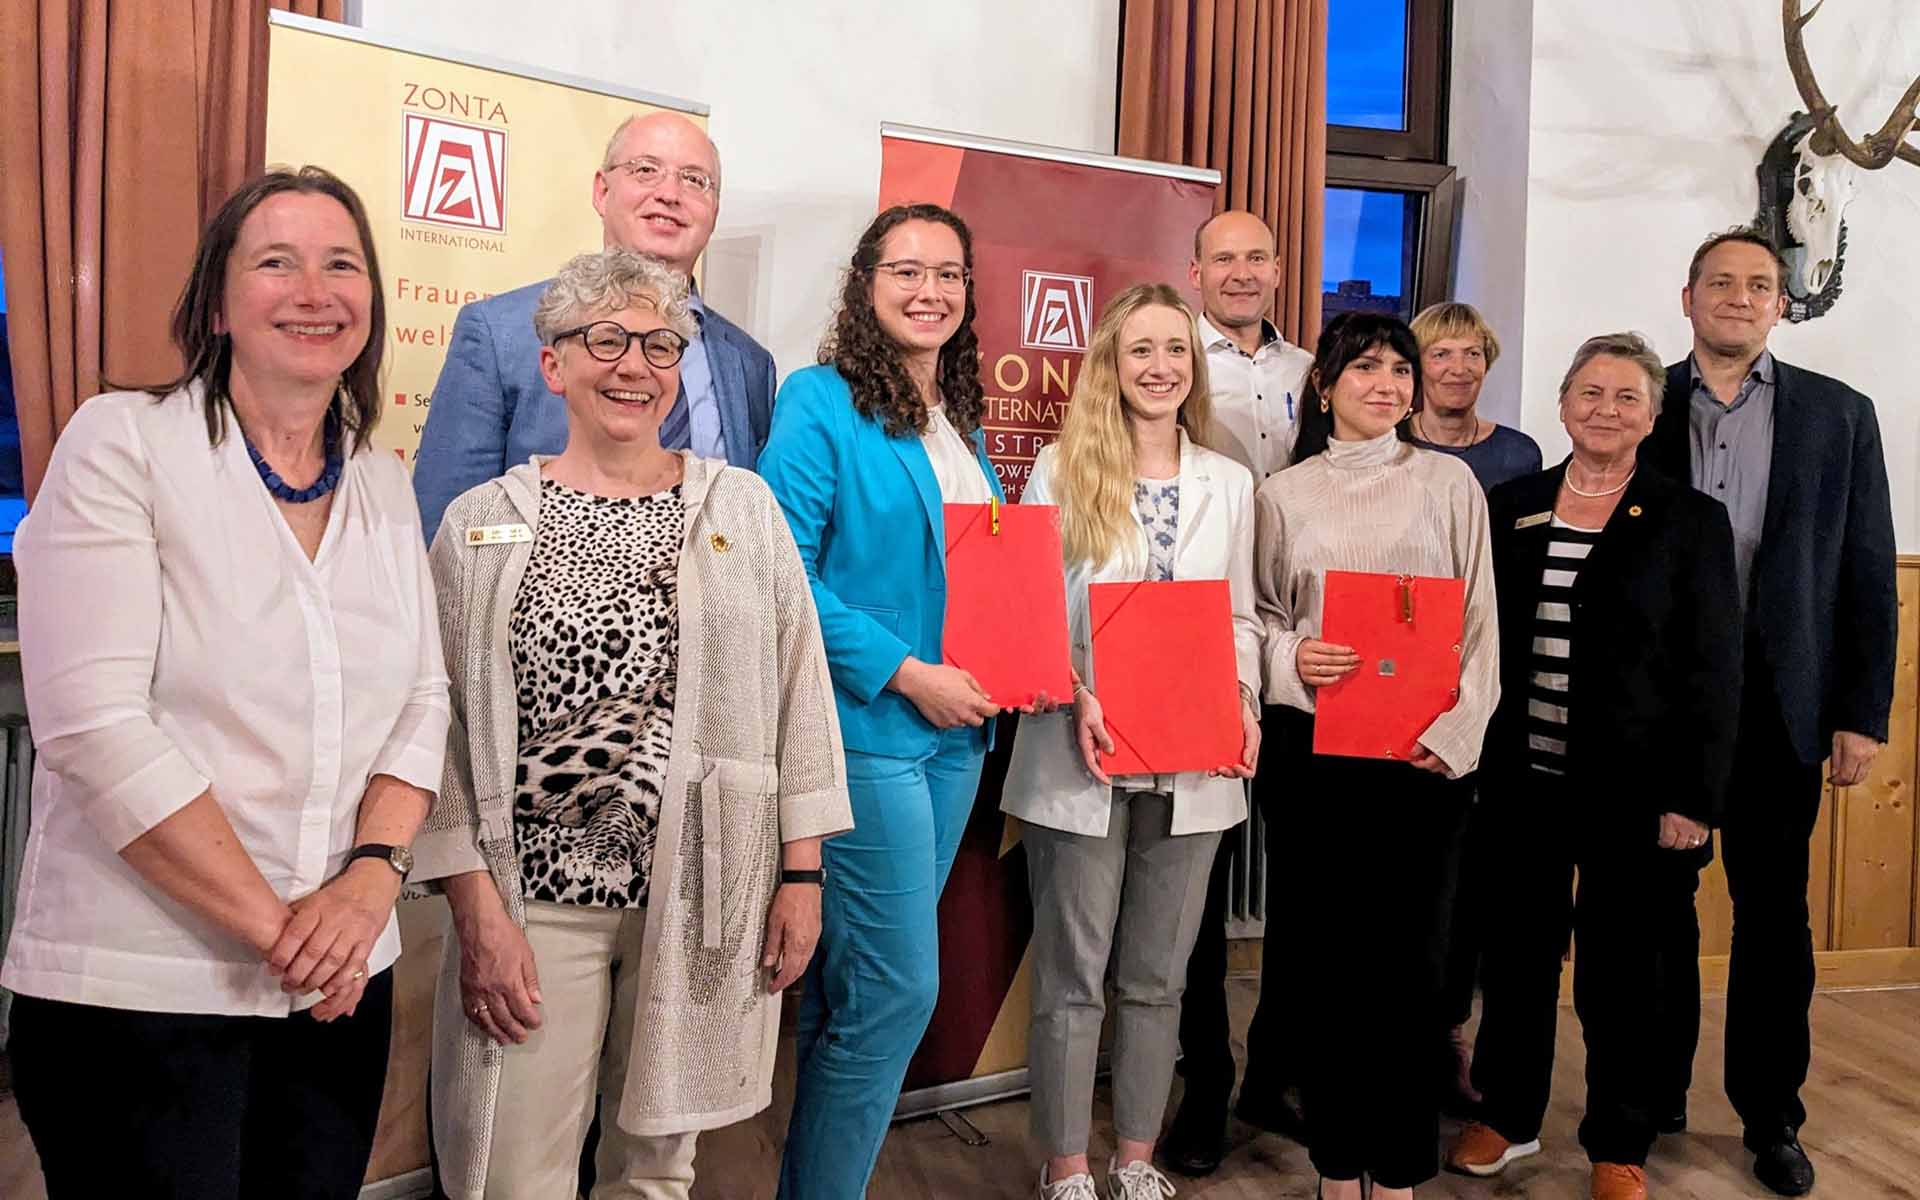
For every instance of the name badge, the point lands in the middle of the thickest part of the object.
(498, 535)
(1535, 519)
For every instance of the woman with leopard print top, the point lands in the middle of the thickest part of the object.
(646, 759)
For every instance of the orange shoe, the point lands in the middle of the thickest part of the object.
(1618, 1181)
(1481, 1151)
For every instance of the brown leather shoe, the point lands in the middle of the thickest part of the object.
(1480, 1150)
(1618, 1181)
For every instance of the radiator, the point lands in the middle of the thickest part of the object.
(1247, 897)
(16, 787)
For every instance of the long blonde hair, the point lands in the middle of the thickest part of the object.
(1094, 469)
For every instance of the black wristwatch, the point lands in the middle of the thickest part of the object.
(400, 858)
(817, 876)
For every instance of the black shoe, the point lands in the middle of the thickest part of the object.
(1276, 1113)
(1670, 1124)
(1197, 1140)
(1782, 1165)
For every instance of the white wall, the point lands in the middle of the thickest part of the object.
(798, 90)
(1487, 142)
(1647, 120)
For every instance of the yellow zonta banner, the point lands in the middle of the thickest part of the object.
(477, 177)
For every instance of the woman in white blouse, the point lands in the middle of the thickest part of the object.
(1377, 841)
(233, 671)
(1118, 867)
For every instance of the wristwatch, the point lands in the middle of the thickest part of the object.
(816, 876)
(400, 858)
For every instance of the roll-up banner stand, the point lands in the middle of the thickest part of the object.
(1056, 234)
(475, 173)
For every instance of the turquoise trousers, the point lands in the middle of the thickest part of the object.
(871, 987)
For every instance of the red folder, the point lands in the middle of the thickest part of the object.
(1406, 630)
(1163, 666)
(1007, 601)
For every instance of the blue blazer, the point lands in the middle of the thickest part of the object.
(865, 510)
(491, 410)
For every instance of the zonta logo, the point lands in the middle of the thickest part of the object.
(1055, 311)
(456, 173)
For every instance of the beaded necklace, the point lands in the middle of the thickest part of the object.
(329, 475)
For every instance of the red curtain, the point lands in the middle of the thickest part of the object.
(1239, 86)
(122, 127)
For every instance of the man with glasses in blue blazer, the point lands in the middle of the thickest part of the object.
(658, 194)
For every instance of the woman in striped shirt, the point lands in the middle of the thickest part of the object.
(1609, 754)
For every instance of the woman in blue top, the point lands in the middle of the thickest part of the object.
(865, 449)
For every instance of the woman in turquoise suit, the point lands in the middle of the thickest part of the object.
(865, 448)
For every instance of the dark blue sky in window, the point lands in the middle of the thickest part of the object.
(1367, 63)
(1363, 238)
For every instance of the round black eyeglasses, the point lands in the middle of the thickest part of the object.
(608, 341)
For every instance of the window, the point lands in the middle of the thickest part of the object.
(1367, 64)
(1388, 238)
(1387, 77)
(13, 501)
(1364, 266)
(1390, 196)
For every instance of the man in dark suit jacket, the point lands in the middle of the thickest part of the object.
(657, 193)
(1796, 457)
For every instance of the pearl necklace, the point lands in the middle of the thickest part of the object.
(1596, 495)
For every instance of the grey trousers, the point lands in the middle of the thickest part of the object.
(1132, 900)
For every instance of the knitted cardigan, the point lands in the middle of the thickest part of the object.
(755, 760)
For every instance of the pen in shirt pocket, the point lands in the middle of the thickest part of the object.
(1289, 407)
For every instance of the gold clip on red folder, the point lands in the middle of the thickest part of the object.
(1007, 601)
(1406, 630)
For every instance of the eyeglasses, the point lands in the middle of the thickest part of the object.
(651, 173)
(908, 275)
(608, 341)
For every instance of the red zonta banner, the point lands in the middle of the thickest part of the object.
(1056, 233)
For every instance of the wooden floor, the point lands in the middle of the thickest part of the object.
(1864, 1135)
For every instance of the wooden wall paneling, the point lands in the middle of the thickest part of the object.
(1715, 909)
(1875, 831)
(1820, 874)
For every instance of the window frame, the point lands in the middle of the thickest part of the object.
(1429, 25)
(1437, 186)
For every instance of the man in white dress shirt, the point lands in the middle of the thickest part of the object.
(1257, 375)
(1258, 384)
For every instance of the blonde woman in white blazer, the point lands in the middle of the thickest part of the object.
(1118, 867)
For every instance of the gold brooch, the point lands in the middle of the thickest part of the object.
(1634, 511)
(719, 542)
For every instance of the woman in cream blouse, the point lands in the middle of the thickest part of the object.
(1118, 868)
(645, 762)
(1377, 840)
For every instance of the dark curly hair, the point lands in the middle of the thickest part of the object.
(869, 360)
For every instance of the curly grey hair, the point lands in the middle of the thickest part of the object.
(592, 286)
(1633, 347)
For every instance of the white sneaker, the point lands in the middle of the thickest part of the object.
(1137, 1181)
(1073, 1187)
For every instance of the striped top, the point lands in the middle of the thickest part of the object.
(1382, 506)
(1549, 674)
